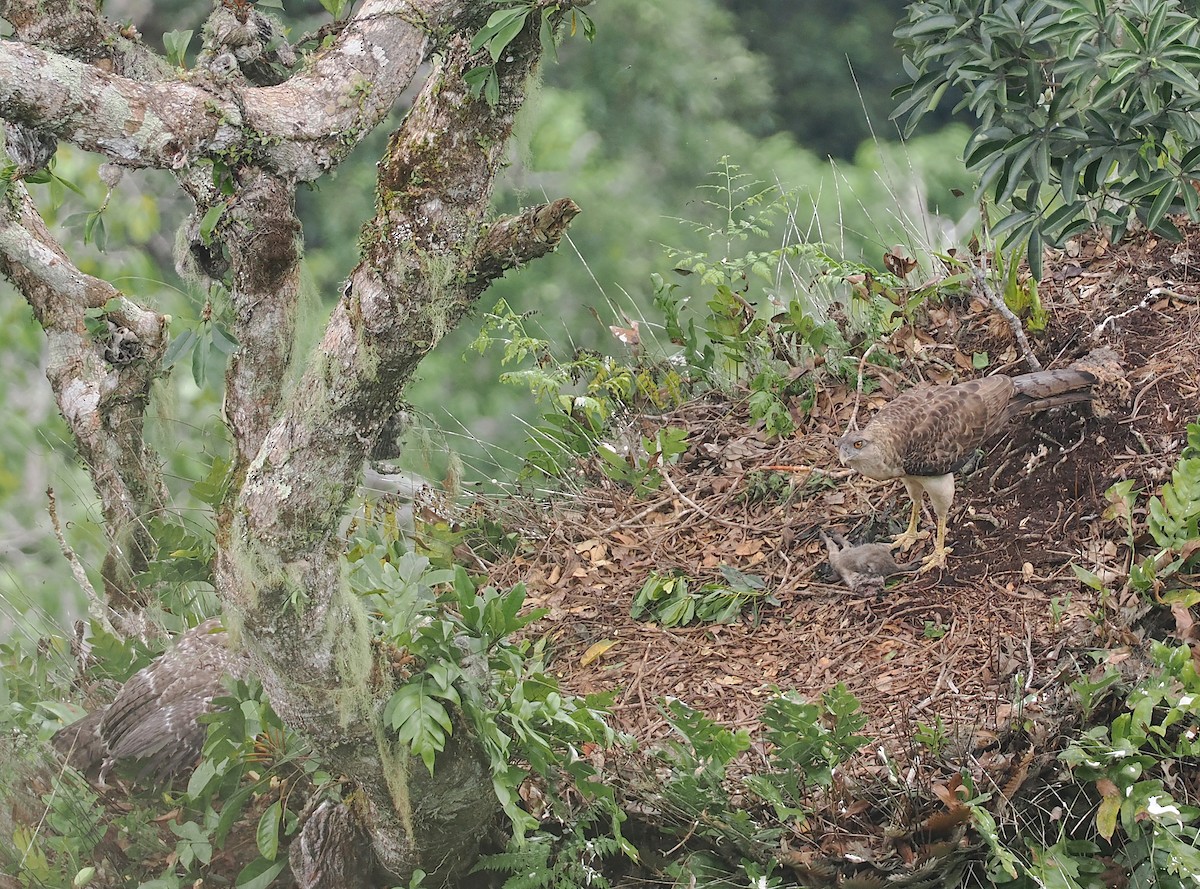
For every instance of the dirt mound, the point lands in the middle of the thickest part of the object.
(975, 647)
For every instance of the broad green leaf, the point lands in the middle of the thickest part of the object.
(179, 347)
(260, 873)
(267, 834)
(210, 221)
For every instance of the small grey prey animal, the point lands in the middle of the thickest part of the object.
(924, 435)
(864, 567)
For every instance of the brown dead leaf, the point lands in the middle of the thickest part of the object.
(748, 548)
(1184, 623)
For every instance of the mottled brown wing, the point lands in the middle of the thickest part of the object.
(935, 429)
(154, 718)
(80, 743)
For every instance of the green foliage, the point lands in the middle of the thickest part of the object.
(502, 28)
(176, 44)
(1173, 523)
(335, 7)
(582, 394)
(1130, 762)
(751, 336)
(803, 743)
(254, 770)
(208, 342)
(565, 861)
(1084, 108)
(59, 849)
(808, 742)
(933, 737)
(253, 767)
(464, 661)
(640, 471)
(669, 599)
(1021, 296)
(1175, 517)
(738, 338)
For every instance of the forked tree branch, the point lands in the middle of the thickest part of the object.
(102, 395)
(426, 257)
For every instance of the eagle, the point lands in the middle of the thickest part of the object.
(926, 434)
(154, 721)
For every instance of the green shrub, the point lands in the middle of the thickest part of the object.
(1085, 108)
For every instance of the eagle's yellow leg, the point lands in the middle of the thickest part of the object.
(910, 536)
(937, 559)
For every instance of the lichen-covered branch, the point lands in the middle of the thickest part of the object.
(166, 125)
(78, 30)
(299, 129)
(101, 387)
(424, 265)
(516, 240)
(261, 238)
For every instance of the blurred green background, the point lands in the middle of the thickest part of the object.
(630, 126)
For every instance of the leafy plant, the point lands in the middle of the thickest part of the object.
(459, 658)
(1084, 108)
(1021, 296)
(809, 741)
(1173, 522)
(670, 600)
(209, 343)
(502, 28)
(737, 340)
(176, 44)
(802, 742)
(1127, 761)
(253, 771)
(582, 393)
(571, 859)
(642, 472)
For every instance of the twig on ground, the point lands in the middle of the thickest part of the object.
(657, 504)
(812, 470)
(1152, 294)
(693, 504)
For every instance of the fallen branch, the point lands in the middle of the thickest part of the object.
(800, 467)
(997, 301)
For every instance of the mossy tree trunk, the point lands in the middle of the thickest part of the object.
(427, 255)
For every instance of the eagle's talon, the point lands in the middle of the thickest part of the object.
(904, 541)
(936, 559)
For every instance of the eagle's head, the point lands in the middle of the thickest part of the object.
(862, 451)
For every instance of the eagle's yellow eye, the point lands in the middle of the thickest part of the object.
(858, 445)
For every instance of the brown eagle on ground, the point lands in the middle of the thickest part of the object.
(925, 434)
